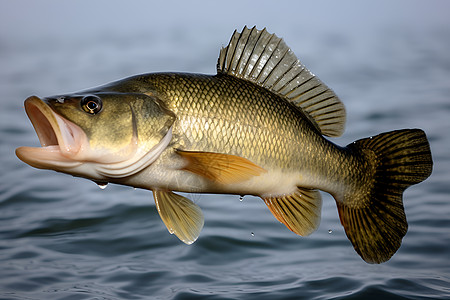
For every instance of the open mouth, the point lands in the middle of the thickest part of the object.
(66, 148)
(61, 140)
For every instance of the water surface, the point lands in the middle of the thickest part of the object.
(64, 238)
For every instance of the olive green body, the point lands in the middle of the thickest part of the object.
(255, 128)
(228, 115)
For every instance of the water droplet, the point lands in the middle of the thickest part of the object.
(253, 234)
(101, 184)
(330, 231)
(241, 198)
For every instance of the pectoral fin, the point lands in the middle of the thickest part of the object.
(181, 216)
(221, 168)
(300, 211)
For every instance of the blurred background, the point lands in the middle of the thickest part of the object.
(64, 238)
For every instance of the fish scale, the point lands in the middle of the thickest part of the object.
(242, 118)
(257, 127)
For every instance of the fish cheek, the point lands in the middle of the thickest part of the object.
(152, 120)
(112, 129)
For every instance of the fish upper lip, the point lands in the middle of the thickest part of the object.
(61, 140)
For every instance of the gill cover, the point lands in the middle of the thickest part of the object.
(152, 132)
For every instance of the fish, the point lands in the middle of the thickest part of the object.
(260, 126)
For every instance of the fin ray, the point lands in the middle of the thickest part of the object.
(375, 221)
(300, 211)
(264, 59)
(181, 216)
(221, 168)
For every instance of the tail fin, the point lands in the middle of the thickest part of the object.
(375, 221)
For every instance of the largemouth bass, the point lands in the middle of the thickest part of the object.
(257, 127)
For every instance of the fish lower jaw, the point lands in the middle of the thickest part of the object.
(48, 157)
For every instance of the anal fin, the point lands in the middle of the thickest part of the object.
(181, 216)
(219, 167)
(299, 211)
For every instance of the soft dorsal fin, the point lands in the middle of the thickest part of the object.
(263, 58)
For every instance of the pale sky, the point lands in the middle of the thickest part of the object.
(22, 19)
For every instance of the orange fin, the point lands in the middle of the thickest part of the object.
(221, 168)
(300, 211)
(181, 216)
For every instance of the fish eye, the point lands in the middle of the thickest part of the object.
(91, 104)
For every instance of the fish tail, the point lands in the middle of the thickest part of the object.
(372, 214)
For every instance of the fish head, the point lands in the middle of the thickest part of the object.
(100, 136)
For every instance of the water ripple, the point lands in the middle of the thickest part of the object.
(64, 238)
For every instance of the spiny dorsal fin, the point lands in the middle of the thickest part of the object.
(181, 216)
(263, 58)
(300, 211)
